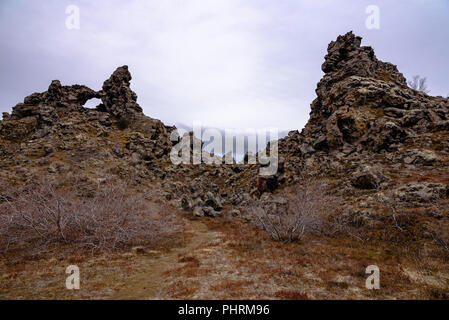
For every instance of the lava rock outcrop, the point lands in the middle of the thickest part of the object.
(373, 138)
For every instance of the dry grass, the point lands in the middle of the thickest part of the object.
(231, 286)
(240, 261)
(440, 235)
(182, 290)
(291, 295)
(334, 267)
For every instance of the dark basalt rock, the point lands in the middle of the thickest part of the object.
(117, 97)
(362, 126)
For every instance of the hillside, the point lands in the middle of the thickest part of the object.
(373, 159)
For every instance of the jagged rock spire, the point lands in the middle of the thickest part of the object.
(355, 93)
(117, 97)
(346, 57)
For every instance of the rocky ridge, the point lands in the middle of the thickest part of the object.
(378, 143)
(381, 144)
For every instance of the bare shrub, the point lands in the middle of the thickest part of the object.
(43, 213)
(304, 210)
(440, 236)
(419, 84)
(342, 223)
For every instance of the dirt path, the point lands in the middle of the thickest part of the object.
(149, 282)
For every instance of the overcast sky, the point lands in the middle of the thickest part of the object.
(225, 63)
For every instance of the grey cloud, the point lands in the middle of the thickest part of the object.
(233, 63)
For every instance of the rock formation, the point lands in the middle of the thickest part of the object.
(375, 140)
(372, 135)
(117, 97)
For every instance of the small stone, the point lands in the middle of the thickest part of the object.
(210, 212)
(48, 149)
(235, 212)
(198, 212)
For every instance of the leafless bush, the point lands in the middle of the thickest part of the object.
(440, 236)
(442, 242)
(303, 211)
(42, 213)
(419, 84)
(341, 223)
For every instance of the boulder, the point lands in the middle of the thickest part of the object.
(422, 157)
(367, 177)
(214, 201)
(422, 192)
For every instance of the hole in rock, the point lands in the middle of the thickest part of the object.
(92, 103)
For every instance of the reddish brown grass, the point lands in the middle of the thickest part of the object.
(291, 295)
